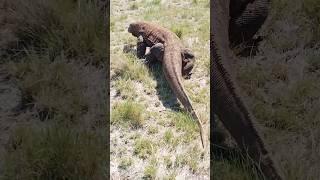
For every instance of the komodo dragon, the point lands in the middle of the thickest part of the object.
(171, 62)
(227, 102)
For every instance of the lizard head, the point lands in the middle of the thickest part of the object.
(136, 28)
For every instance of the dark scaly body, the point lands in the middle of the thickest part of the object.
(227, 101)
(246, 18)
(171, 63)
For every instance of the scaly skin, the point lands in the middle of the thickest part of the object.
(156, 54)
(172, 60)
(228, 104)
(246, 18)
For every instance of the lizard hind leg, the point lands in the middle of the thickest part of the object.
(188, 59)
(141, 47)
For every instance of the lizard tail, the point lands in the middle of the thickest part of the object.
(172, 72)
(195, 116)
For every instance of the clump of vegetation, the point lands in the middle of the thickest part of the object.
(128, 113)
(75, 27)
(125, 163)
(313, 62)
(186, 124)
(126, 89)
(150, 171)
(312, 9)
(171, 176)
(56, 43)
(154, 2)
(234, 167)
(133, 6)
(55, 152)
(47, 85)
(190, 158)
(168, 136)
(129, 67)
(153, 130)
(167, 161)
(144, 148)
(180, 31)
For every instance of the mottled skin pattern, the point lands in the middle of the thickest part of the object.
(227, 101)
(171, 62)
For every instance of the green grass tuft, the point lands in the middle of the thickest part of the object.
(153, 130)
(54, 152)
(186, 124)
(125, 163)
(46, 85)
(144, 148)
(150, 172)
(168, 136)
(128, 67)
(133, 6)
(77, 29)
(128, 113)
(168, 162)
(126, 89)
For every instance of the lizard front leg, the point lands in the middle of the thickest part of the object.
(141, 47)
